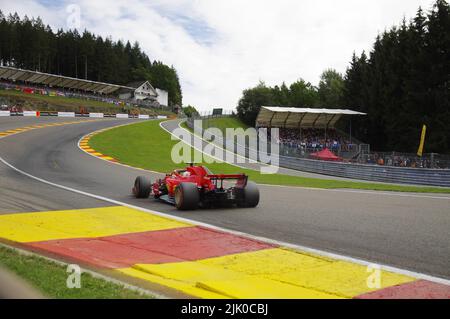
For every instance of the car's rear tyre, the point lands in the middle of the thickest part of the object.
(142, 187)
(250, 195)
(187, 196)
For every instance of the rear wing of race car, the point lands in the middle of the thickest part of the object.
(241, 178)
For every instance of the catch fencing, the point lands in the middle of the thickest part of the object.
(372, 172)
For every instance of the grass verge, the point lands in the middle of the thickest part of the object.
(50, 279)
(222, 123)
(146, 145)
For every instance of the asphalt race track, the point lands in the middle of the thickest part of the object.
(408, 231)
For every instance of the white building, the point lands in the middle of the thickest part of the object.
(141, 90)
(163, 97)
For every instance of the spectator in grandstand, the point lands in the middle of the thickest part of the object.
(313, 139)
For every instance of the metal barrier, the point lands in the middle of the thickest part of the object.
(387, 174)
(370, 172)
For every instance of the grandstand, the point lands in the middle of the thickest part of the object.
(143, 95)
(307, 130)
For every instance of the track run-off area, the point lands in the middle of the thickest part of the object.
(60, 201)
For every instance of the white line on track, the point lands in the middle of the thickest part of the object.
(263, 239)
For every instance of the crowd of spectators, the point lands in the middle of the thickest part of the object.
(313, 139)
(406, 160)
(301, 143)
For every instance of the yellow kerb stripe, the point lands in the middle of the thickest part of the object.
(333, 276)
(269, 273)
(201, 280)
(92, 222)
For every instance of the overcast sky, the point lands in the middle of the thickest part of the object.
(220, 47)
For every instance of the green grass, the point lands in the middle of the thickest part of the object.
(222, 123)
(50, 278)
(61, 103)
(146, 145)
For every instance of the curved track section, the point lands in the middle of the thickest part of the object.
(408, 231)
(172, 125)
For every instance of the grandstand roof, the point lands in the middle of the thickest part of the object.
(294, 117)
(53, 80)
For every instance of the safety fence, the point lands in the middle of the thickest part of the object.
(372, 172)
(388, 174)
(346, 151)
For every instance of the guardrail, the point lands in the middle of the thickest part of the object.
(386, 174)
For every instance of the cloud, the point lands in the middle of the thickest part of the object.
(222, 47)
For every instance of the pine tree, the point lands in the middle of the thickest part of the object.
(29, 44)
(437, 51)
(404, 84)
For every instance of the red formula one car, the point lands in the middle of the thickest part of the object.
(196, 186)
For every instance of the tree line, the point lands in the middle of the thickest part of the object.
(401, 84)
(327, 94)
(30, 44)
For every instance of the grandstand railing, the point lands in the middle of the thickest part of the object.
(430, 169)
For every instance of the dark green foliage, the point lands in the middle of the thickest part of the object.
(299, 94)
(167, 77)
(403, 84)
(302, 94)
(190, 111)
(252, 100)
(29, 44)
(330, 90)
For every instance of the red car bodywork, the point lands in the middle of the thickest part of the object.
(196, 186)
(198, 175)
